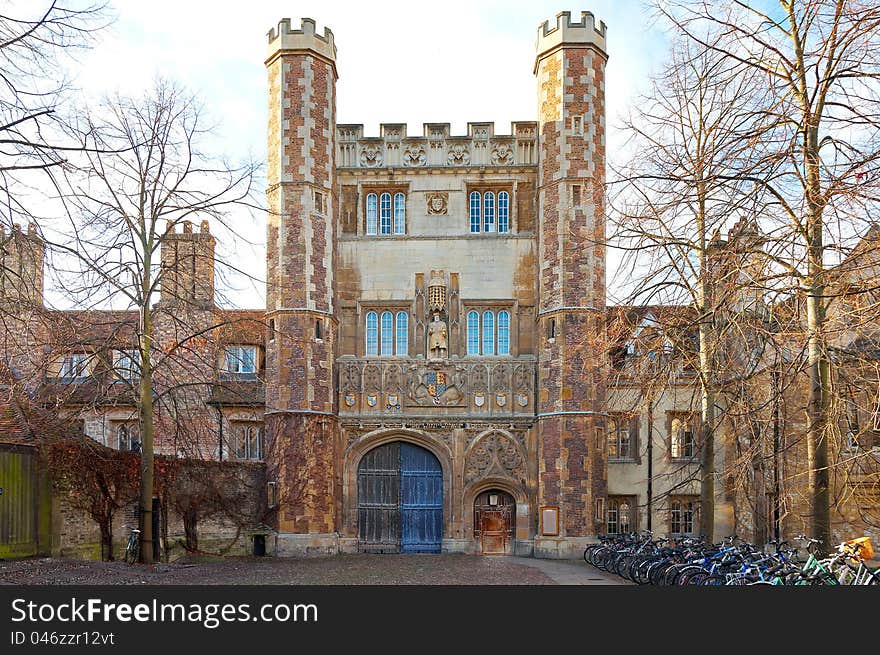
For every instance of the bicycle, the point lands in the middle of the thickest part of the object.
(133, 547)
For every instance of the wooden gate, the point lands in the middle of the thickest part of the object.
(400, 500)
(494, 522)
(18, 502)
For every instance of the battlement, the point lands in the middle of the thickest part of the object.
(568, 32)
(187, 231)
(16, 232)
(306, 38)
(436, 147)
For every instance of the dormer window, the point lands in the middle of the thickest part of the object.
(125, 364)
(74, 365)
(241, 360)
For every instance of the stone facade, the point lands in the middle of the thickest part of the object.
(437, 290)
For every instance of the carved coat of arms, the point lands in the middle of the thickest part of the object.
(479, 399)
(501, 399)
(436, 383)
(349, 399)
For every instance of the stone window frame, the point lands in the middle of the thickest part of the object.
(691, 420)
(630, 425)
(395, 308)
(126, 371)
(82, 369)
(612, 513)
(495, 189)
(227, 374)
(494, 306)
(677, 504)
(393, 190)
(235, 428)
(131, 428)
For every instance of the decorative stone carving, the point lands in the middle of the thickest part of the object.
(522, 378)
(437, 292)
(415, 156)
(502, 154)
(393, 378)
(480, 378)
(436, 386)
(372, 378)
(371, 156)
(495, 455)
(350, 378)
(458, 155)
(437, 203)
(501, 378)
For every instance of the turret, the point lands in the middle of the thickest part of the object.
(570, 70)
(300, 285)
(188, 266)
(22, 256)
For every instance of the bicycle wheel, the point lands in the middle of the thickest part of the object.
(714, 581)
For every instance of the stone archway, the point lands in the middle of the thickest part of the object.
(495, 522)
(400, 500)
(361, 447)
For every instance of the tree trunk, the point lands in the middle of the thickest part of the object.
(145, 392)
(106, 526)
(190, 529)
(707, 374)
(817, 443)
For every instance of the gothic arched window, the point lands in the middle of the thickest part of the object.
(504, 211)
(372, 333)
(475, 212)
(473, 333)
(399, 213)
(385, 213)
(488, 212)
(488, 333)
(372, 213)
(387, 337)
(402, 345)
(503, 333)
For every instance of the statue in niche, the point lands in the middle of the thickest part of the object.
(438, 343)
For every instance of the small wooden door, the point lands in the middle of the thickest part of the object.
(494, 522)
(18, 502)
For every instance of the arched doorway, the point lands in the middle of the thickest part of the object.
(400, 500)
(495, 521)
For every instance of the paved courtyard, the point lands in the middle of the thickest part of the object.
(361, 569)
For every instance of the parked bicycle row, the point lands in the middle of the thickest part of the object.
(644, 559)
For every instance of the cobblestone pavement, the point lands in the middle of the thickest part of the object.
(361, 569)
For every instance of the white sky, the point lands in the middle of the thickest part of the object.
(454, 61)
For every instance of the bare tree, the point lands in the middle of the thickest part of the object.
(670, 199)
(35, 38)
(816, 137)
(141, 174)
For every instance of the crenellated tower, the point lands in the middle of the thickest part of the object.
(22, 256)
(570, 71)
(188, 266)
(301, 427)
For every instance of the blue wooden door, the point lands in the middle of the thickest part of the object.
(400, 500)
(421, 500)
(379, 499)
